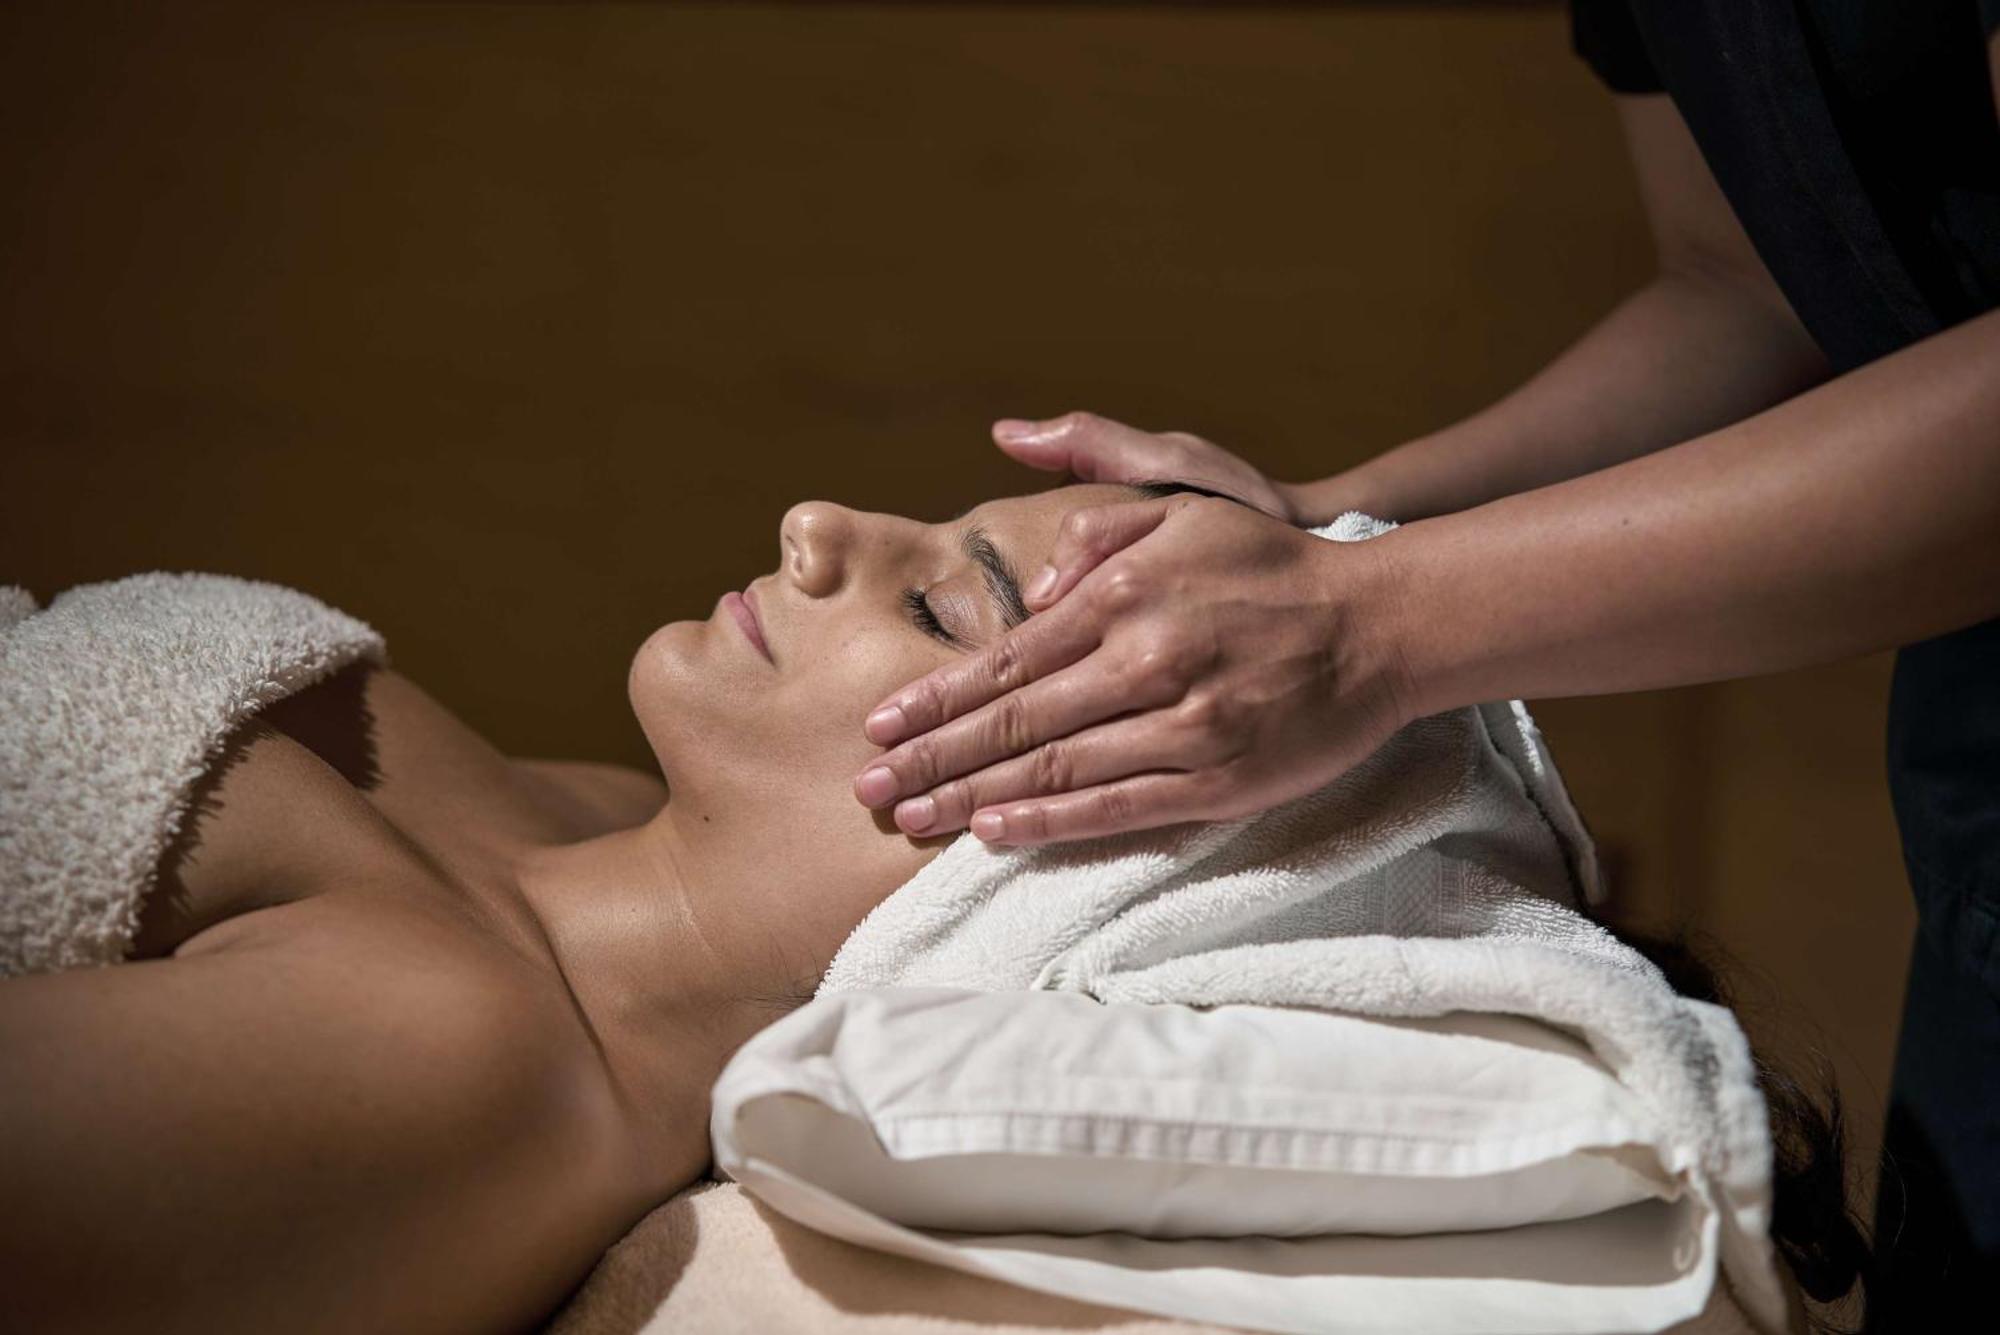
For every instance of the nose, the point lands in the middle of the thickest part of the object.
(814, 540)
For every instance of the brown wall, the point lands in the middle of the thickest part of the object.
(514, 330)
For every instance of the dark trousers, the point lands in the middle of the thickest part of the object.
(1937, 1214)
(1937, 1217)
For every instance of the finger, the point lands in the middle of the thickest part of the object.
(1142, 802)
(1140, 744)
(1032, 650)
(1085, 693)
(1032, 444)
(1087, 538)
(1090, 447)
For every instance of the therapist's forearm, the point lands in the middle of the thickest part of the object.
(1684, 355)
(1859, 515)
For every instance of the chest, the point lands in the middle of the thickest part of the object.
(362, 782)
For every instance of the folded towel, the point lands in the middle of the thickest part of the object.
(714, 1260)
(1444, 873)
(113, 702)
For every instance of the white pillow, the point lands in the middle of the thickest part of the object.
(1048, 1112)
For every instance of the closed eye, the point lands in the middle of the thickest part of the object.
(919, 608)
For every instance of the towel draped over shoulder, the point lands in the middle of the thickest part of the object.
(114, 700)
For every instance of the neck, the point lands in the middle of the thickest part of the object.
(662, 974)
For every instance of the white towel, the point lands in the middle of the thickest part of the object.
(1444, 873)
(113, 702)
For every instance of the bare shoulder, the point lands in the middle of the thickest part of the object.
(403, 747)
(342, 1086)
(613, 796)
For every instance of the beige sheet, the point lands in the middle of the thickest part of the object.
(714, 1261)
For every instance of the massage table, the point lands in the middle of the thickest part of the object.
(715, 1261)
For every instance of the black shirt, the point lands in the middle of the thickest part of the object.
(1856, 141)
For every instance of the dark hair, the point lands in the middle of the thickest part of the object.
(1814, 1228)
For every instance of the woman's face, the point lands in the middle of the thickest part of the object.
(761, 743)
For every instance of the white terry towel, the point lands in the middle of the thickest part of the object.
(113, 701)
(1442, 874)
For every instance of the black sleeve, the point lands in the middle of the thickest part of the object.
(1608, 40)
(1989, 13)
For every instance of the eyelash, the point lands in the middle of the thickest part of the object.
(926, 620)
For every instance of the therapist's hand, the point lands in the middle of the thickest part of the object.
(1197, 660)
(1097, 449)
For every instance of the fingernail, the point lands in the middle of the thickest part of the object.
(884, 726)
(916, 814)
(1044, 584)
(989, 825)
(1013, 428)
(876, 786)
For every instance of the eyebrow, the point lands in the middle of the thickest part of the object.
(1002, 587)
(1156, 490)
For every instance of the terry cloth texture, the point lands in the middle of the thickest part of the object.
(113, 702)
(1444, 873)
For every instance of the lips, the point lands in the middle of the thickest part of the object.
(744, 612)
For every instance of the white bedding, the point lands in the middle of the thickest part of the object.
(1281, 1169)
(712, 1261)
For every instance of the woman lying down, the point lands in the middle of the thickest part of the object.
(405, 1034)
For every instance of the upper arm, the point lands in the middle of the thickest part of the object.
(273, 1137)
(1695, 231)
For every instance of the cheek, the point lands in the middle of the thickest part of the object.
(826, 706)
(792, 737)
(773, 756)
(796, 751)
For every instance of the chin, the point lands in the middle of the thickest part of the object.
(671, 677)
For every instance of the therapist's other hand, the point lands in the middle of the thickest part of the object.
(1097, 449)
(1212, 662)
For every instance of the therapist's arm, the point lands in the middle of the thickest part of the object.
(1861, 514)
(1708, 341)
(1858, 516)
